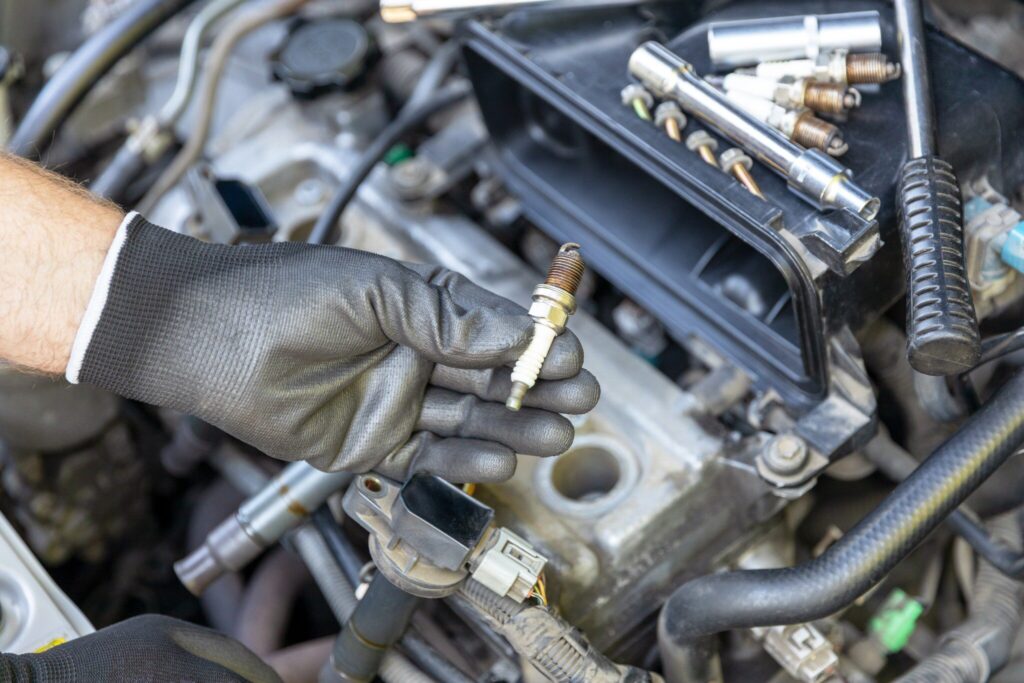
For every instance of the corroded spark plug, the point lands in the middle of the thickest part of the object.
(553, 303)
(834, 67)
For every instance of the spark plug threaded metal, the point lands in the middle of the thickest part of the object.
(811, 132)
(830, 98)
(553, 302)
(566, 268)
(872, 67)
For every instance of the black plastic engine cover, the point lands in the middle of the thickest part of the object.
(686, 241)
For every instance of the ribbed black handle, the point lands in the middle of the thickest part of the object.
(942, 330)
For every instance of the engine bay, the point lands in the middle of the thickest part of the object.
(771, 488)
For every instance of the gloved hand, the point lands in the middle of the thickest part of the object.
(347, 359)
(147, 649)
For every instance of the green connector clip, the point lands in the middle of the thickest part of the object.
(894, 623)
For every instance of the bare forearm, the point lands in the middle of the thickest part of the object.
(55, 237)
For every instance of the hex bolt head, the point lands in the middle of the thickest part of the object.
(669, 110)
(733, 156)
(785, 454)
(635, 91)
(700, 138)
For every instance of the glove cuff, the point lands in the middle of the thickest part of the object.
(98, 299)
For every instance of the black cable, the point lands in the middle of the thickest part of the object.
(407, 120)
(862, 557)
(1001, 345)
(341, 548)
(429, 660)
(84, 68)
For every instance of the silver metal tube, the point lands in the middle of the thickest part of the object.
(282, 505)
(810, 174)
(188, 64)
(398, 11)
(750, 41)
(917, 94)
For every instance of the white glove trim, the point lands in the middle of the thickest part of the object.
(97, 301)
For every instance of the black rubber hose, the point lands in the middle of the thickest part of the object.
(344, 553)
(84, 68)
(896, 464)
(378, 622)
(862, 557)
(407, 120)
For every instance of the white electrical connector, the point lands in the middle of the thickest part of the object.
(509, 565)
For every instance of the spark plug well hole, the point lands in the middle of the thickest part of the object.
(586, 474)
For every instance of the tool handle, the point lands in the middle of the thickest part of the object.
(942, 330)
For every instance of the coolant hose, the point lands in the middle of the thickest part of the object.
(983, 643)
(857, 561)
(84, 68)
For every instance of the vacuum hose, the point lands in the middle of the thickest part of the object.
(856, 562)
(84, 68)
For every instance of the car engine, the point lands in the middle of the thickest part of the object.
(792, 471)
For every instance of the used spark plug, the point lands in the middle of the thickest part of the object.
(828, 98)
(553, 302)
(636, 96)
(835, 67)
(738, 163)
(669, 116)
(799, 125)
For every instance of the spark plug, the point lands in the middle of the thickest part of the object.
(828, 98)
(799, 125)
(834, 67)
(553, 302)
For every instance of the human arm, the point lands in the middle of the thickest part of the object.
(344, 358)
(55, 238)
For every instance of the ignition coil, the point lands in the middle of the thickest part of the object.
(553, 302)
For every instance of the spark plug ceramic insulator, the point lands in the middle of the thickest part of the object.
(553, 303)
(799, 125)
(834, 67)
(829, 98)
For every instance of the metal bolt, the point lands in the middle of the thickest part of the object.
(410, 177)
(636, 96)
(669, 116)
(737, 163)
(553, 302)
(785, 454)
(700, 141)
(309, 192)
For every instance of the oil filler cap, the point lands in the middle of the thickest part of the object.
(323, 54)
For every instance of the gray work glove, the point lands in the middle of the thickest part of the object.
(147, 649)
(347, 359)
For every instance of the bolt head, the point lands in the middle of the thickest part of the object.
(669, 110)
(785, 454)
(733, 156)
(700, 138)
(635, 91)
